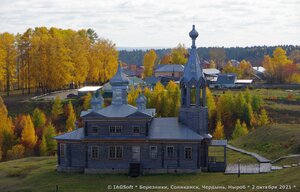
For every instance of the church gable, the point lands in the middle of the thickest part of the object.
(93, 114)
(139, 114)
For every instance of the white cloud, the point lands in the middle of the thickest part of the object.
(163, 23)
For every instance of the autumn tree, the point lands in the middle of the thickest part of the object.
(211, 105)
(157, 97)
(6, 130)
(87, 101)
(219, 131)
(166, 59)
(179, 54)
(7, 59)
(57, 108)
(172, 99)
(70, 124)
(28, 137)
(148, 62)
(133, 94)
(103, 61)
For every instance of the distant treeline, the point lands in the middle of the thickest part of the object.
(253, 54)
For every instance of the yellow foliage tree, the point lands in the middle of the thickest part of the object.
(219, 131)
(70, 124)
(179, 54)
(16, 152)
(149, 61)
(57, 108)
(7, 59)
(28, 137)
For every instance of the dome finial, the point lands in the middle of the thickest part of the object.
(193, 34)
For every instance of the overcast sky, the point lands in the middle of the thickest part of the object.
(163, 23)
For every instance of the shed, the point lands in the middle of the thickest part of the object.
(92, 89)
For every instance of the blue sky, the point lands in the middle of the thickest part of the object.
(163, 23)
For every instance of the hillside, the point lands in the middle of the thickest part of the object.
(272, 141)
(38, 174)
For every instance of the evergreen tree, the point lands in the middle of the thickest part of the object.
(38, 118)
(257, 102)
(239, 130)
(70, 124)
(263, 117)
(247, 95)
(43, 146)
(219, 131)
(49, 133)
(57, 108)
(248, 114)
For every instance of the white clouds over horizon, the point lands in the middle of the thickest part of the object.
(153, 23)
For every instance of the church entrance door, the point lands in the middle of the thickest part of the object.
(136, 153)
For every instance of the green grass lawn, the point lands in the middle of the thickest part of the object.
(288, 161)
(38, 174)
(272, 141)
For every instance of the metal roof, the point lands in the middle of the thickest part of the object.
(122, 110)
(211, 71)
(244, 81)
(119, 77)
(227, 78)
(170, 129)
(170, 68)
(259, 69)
(77, 134)
(193, 68)
(89, 88)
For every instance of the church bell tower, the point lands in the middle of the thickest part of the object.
(193, 111)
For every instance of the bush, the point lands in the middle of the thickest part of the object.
(16, 152)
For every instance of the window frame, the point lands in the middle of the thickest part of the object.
(173, 152)
(136, 127)
(62, 149)
(95, 128)
(114, 155)
(153, 154)
(191, 153)
(93, 147)
(115, 129)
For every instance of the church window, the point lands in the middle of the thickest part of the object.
(95, 152)
(170, 152)
(95, 129)
(153, 152)
(188, 153)
(136, 129)
(115, 129)
(62, 149)
(116, 152)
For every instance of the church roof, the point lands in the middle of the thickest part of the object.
(122, 110)
(170, 129)
(193, 69)
(77, 134)
(119, 77)
(170, 68)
